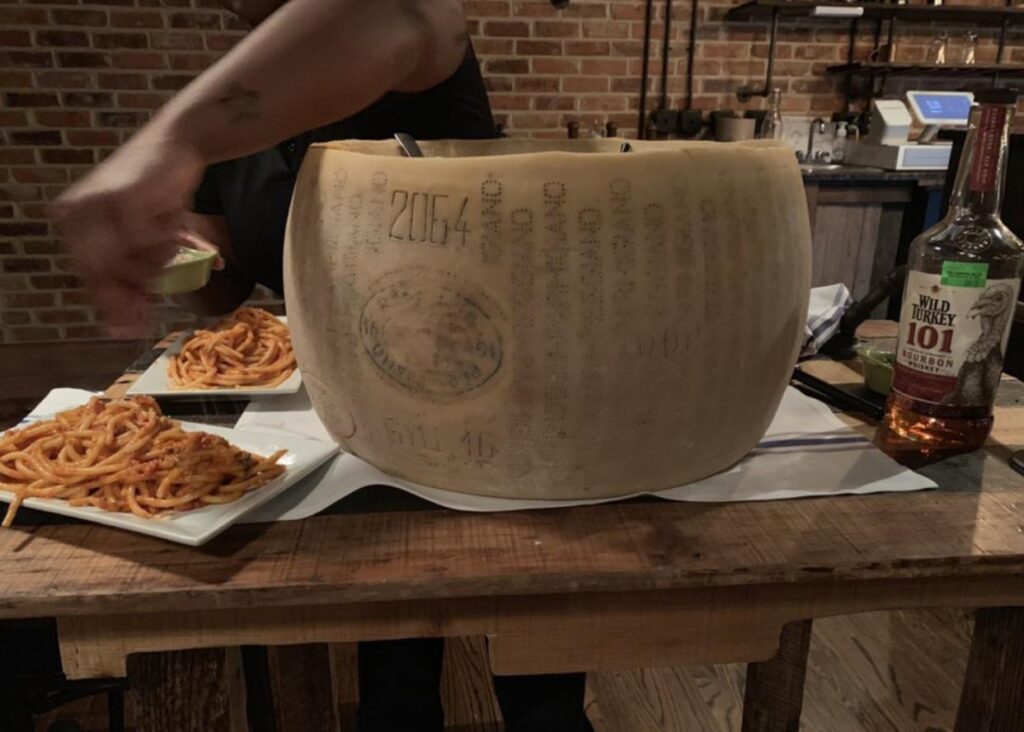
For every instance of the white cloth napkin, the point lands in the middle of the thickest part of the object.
(824, 311)
(807, 451)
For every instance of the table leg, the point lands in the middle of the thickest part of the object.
(188, 691)
(992, 699)
(775, 688)
(303, 688)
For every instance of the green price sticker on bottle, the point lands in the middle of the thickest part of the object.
(964, 274)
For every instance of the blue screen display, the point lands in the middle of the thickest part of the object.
(943, 107)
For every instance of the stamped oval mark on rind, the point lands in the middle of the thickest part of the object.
(431, 334)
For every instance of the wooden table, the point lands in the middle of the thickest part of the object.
(633, 584)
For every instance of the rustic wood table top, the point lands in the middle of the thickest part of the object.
(401, 568)
(971, 525)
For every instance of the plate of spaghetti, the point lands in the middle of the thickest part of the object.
(122, 463)
(249, 353)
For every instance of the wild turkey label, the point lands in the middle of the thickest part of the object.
(953, 332)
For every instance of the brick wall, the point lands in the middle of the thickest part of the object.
(77, 77)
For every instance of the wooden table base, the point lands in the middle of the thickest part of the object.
(303, 688)
(774, 695)
(992, 699)
(202, 690)
(188, 691)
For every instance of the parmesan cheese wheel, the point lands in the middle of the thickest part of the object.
(548, 319)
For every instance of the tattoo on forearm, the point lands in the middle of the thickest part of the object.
(239, 103)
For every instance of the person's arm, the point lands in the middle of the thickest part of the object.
(311, 62)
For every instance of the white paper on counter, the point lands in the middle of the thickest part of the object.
(807, 451)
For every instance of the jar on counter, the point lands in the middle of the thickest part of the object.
(839, 143)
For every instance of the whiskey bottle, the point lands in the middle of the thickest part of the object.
(958, 305)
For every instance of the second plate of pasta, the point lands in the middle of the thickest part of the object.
(245, 355)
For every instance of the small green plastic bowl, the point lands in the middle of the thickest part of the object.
(189, 273)
(878, 358)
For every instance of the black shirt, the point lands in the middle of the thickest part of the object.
(253, 193)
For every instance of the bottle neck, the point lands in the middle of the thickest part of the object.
(978, 191)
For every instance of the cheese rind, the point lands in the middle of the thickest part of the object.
(548, 319)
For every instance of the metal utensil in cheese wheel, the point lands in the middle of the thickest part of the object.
(409, 145)
(548, 318)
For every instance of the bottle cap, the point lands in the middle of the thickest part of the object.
(995, 96)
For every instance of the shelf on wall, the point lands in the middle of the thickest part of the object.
(909, 69)
(990, 16)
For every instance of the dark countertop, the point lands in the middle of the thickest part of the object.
(856, 175)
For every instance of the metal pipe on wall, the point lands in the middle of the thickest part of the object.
(644, 70)
(747, 92)
(691, 53)
(665, 43)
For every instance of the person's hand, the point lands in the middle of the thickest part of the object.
(121, 222)
(192, 240)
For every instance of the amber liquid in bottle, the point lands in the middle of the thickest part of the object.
(961, 293)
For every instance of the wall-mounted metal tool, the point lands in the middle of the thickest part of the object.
(691, 53)
(691, 122)
(748, 92)
(645, 66)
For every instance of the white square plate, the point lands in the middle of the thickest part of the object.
(154, 382)
(199, 526)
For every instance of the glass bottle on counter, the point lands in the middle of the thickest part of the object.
(839, 143)
(651, 131)
(958, 305)
(771, 128)
(937, 49)
(970, 48)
